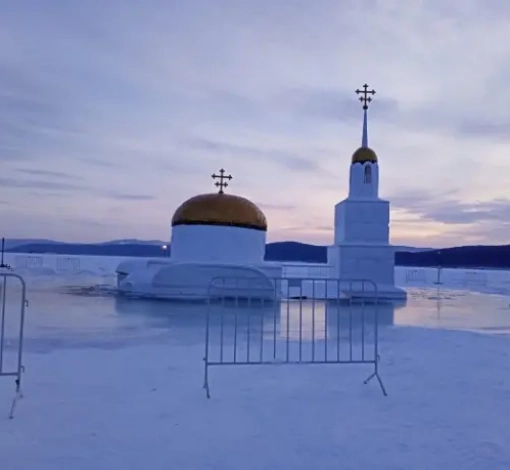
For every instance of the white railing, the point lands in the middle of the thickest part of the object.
(304, 270)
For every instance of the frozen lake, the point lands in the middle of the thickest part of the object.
(71, 303)
(114, 383)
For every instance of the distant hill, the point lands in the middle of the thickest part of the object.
(462, 256)
(134, 242)
(294, 251)
(96, 249)
(411, 249)
(11, 243)
(466, 256)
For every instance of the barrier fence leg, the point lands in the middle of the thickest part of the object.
(206, 379)
(376, 347)
(3, 295)
(206, 353)
(378, 377)
(17, 396)
(20, 369)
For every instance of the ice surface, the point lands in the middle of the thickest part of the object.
(112, 383)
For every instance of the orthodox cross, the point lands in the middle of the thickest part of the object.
(366, 98)
(221, 183)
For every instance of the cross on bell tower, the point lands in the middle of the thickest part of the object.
(366, 98)
(221, 183)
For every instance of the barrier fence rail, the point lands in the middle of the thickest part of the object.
(17, 369)
(300, 321)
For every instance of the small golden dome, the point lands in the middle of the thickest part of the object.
(363, 155)
(220, 209)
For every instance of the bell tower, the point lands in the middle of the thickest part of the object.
(361, 247)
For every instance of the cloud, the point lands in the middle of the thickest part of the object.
(445, 209)
(128, 197)
(162, 97)
(39, 184)
(443, 220)
(50, 185)
(479, 127)
(48, 173)
(456, 212)
(276, 207)
(98, 162)
(28, 113)
(281, 157)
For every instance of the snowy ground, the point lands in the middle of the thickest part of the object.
(143, 407)
(115, 385)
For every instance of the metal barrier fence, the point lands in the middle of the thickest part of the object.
(17, 369)
(416, 275)
(475, 279)
(299, 321)
(68, 263)
(28, 261)
(56, 263)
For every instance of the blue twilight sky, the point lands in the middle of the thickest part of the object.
(112, 112)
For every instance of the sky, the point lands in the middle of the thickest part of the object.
(112, 113)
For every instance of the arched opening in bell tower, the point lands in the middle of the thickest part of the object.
(367, 175)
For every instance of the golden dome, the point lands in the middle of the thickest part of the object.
(363, 155)
(220, 209)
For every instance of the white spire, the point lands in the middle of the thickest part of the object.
(365, 98)
(364, 137)
(364, 171)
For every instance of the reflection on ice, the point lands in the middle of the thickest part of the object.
(292, 317)
(455, 309)
(73, 304)
(320, 319)
(95, 316)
